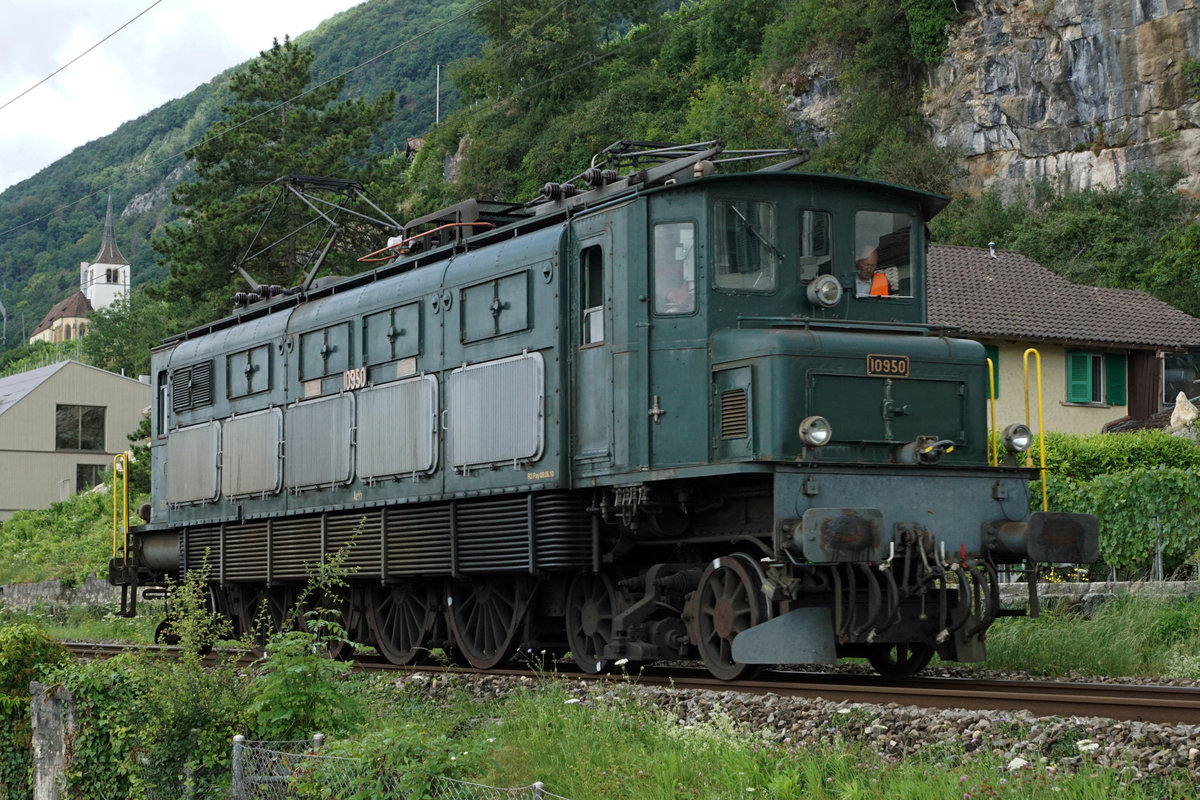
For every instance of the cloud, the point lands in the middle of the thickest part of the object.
(171, 49)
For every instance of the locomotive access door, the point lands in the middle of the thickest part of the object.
(592, 267)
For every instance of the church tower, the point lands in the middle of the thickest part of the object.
(107, 277)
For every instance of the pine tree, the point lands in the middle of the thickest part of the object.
(277, 125)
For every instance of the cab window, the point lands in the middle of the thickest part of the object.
(815, 244)
(674, 268)
(882, 255)
(745, 254)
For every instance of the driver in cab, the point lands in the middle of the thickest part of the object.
(870, 282)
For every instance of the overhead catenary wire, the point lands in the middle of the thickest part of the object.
(81, 55)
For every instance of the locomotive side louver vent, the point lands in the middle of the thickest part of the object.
(191, 387)
(734, 423)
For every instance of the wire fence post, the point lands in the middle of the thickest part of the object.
(318, 741)
(238, 790)
(539, 791)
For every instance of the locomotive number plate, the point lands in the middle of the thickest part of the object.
(887, 366)
(354, 378)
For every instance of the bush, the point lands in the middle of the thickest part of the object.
(1143, 487)
(25, 653)
(151, 724)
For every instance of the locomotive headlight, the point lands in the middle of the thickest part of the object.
(1017, 438)
(816, 431)
(825, 291)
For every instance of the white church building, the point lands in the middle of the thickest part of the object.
(102, 281)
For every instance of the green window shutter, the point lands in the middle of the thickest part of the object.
(1079, 377)
(993, 352)
(1114, 379)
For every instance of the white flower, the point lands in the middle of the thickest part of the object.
(571, 700)
(1087, 745)
(620, 662)
(1017, 763)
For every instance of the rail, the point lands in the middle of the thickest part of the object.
(1146, 703)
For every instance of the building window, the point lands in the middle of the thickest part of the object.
(1181, 373)
(87, 476)
(79, 428)
(1096, 378)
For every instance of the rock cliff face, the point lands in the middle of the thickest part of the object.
(1075, 91)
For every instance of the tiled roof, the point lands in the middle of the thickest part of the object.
(74, 306)
(15, 387)
(1013, 297)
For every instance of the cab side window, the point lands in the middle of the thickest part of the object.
(674, 268)
(816, 247)
(591, 267)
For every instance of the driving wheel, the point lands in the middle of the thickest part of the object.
(591, 603)
(901, 660)
(264, 611)
(483, 617)
(727, 601)
(400, 618)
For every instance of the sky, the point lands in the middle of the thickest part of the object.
(171, 49)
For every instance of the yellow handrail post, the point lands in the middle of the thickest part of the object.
(993, 447)
(121, 522)
(1041, 430)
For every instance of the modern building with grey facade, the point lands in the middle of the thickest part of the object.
(60, 427)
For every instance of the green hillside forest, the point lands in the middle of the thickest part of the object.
(530, 90)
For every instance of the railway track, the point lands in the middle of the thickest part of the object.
(1158, 704)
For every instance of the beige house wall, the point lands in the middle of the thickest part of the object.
(33, 472)
(1057, 414)
(35, 480)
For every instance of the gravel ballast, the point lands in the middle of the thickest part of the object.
(1016, 739)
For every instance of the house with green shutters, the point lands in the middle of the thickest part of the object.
(1107, 356)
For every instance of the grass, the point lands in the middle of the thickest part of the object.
(1128, 636)
(64, 542)
(90, 623)
(605, 743)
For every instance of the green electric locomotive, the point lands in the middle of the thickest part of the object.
(678, 411)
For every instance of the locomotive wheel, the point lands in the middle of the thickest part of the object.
(344, 609)
(400, 618)
(483, 617)
(591, 603)
(899, 660)
(163, 634)
(264, 612)
(727, 602)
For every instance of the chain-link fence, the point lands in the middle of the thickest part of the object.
(287, 770)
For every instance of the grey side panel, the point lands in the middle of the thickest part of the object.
(250, 457)
(192, 463)
(496, 411)
(319, 435)
(397, 425)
